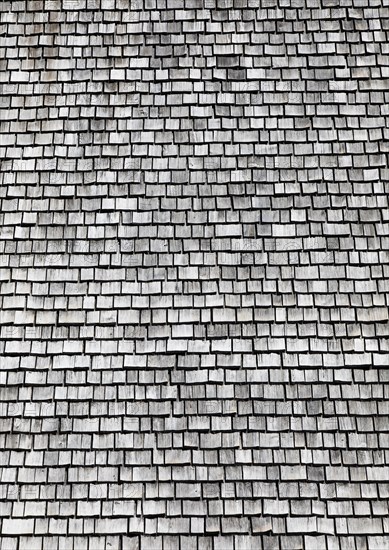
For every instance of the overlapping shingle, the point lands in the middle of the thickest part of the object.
(194, 274)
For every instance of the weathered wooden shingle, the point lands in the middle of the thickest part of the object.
(194, 275)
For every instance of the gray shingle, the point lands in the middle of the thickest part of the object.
(194, 275)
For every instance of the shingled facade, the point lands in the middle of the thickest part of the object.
(194, 275)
